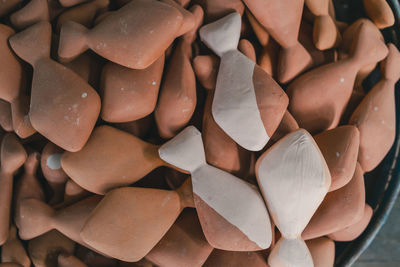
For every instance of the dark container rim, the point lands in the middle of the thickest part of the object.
(351, 251)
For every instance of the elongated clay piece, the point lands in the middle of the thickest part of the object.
(340, 208)
(259, 30)
(13, 250)
(282, 21)
(143, 213)
(177, 100)
(69, 3)
(231, 211)
(340, 147)
(346, 46)
(128, 36)
(129, 94)
(69, 261)
(294, 178)
(11, 70)
(325, 31)
(112, 158)
(38, 218)
(34, 12)
(8, 6)
(380, 12)
(44, 249)
(235, 259)
(183, 245)
(20, 116)
(375, 117)
(28, 186)
(322, 251)
(206, 70)
(5, 116)
(247, 48)
(355, 230)
(241, 83)
(216, 9)
(319, 97)
(64, 108)
(13, 156)
(83, 14)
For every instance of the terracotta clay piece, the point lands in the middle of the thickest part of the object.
(183, 245)
(144, 213)
(294, 178)
(216, 9)
(68, 3)
(375, 117)
(322, 251)
(235, 259)
(325, 32)
(245, 96)
(319, 97)
(35, 11)
(221, 199)
(340, 149)
(380, 12)
(282, 21)
(13, 250)
(177, 99)
(12, 156)
(69, 261)
(340, 208)
(8, 6)
(128, 36)
(64, 108)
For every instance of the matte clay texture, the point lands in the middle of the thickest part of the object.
(322, 251)
(64, 108)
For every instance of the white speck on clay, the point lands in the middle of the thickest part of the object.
(151, 31)
(383, 121)
(123, 177)
(122, 88)
(367, 157)
(342, 80)
(84, 95)
(185, 110)
(376, 108)
(66, 118)
(77, 121)
(154, 83)
(337, 154)
(54, 161)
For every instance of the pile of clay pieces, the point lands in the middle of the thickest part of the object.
(185, 133)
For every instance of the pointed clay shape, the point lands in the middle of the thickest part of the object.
(5, 116)
(216, 9)
(322, 251)
(375, 117)
(50, 164)
(34, 12)
(69, 261)
(144, 213)
(129, 94)
(318, 97)
(346, 46)
(13, 250)
(11, 69)
(44, 250)
(353, 231)
(261, 34)
(325, 31)
(28, 185)
(128, 36)
(183, 245)
(290, 252)
(380, 12)
(112, 158)
(339, 147)
(340, 208)
(206, 70)
(177, 99)
(282, 21)
(294, 178)
(247, 49)
(68, 3)
(64, 108)
(231, 211)
(221, 151)
(8, 6)
(39, 218)
(20, 116)
(307, 168)
(235, 259)
(12, 156)
(83, 14)
(241, 83)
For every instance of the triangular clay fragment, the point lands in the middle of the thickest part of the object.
(231, 211)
